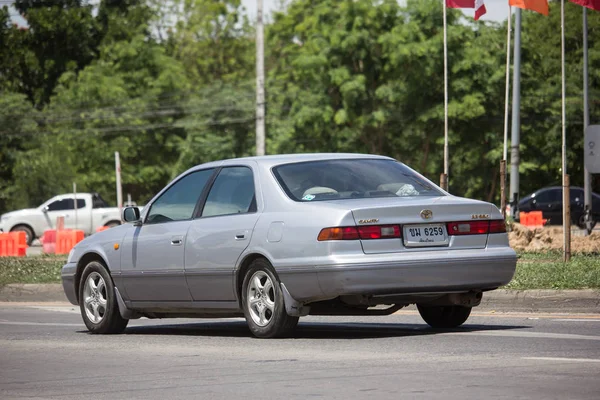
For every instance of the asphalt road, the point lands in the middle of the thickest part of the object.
(46, 353)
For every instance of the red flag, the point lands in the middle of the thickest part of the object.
(593, 4)
(460, 3)
(478, 5)
(479, 9)
(540, 6)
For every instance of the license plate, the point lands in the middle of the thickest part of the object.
(425, 235)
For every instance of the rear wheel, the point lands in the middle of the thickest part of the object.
(97, 301)
(582, 225)
(262, 301)
(444, 316)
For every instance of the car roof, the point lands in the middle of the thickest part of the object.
(273, 160)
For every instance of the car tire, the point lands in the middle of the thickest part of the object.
(98, 302)
(582, 225)
(262, 302)
(28, 232)
(444, 316)
(112, 224)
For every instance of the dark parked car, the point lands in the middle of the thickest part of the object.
(549, 201)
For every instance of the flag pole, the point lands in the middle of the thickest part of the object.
(587, 181)
(444, 177)
(565, 177)
(506, 96)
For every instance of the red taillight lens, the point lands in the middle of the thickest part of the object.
(476, 227)
(379, 232)
(362, 232)
(498, 226)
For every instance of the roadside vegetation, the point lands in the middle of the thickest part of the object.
(546, 270)
(34, 269)
(543, 270)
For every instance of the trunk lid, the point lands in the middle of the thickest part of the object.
(421, 232)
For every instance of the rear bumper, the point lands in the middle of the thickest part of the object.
(443, 272)
(68, 281)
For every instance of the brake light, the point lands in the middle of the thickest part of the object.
(362, 232)
(497, 226)
(476, 227)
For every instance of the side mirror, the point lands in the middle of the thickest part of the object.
(131, 214)
(45, 209)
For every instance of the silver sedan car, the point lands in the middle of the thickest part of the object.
(275, 238)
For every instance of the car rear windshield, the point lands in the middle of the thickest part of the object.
(351, 179)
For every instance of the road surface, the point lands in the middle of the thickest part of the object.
(45, 353)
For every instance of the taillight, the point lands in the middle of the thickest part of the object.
(362, 232)
(497, 226)
(343, 233)
(379, 232)
(476, 227)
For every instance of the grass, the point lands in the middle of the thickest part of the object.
(34, 269)
(544, 270)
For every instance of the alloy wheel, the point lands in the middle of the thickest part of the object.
(261, 298)
(94, 297)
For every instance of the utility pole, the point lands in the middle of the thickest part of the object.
(444, 178)
(516, 117)
(260, 80)
(587, 181)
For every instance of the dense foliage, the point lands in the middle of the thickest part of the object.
(171, 84)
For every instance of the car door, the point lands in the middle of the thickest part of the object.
(577, 203)
(218, 237)
(152, 254)
(64, 207)
(549, 202)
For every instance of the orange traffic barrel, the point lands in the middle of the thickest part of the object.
(67, 239)
(13, 244)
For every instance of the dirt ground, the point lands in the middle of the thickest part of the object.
(523, 238)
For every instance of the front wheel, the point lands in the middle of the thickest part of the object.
(98, 302)
(29, 236)
(262, 301)
(444, 316)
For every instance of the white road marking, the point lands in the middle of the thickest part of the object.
(525, 334)
(37, 323)
(588, 360)
(576, 320)
(68, 309)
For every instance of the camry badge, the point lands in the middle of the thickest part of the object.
(426, 214)
(368, 221)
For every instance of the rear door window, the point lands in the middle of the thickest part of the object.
(231, 193)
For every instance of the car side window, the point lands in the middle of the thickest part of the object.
(178, 202)
(548, 196)
(61, 205)
(231, 193)
(576, 196)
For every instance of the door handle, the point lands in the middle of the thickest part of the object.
(176, 240)
(240, 236)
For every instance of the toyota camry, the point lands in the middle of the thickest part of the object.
(275, 238)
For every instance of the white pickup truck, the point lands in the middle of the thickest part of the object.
(91, 213)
